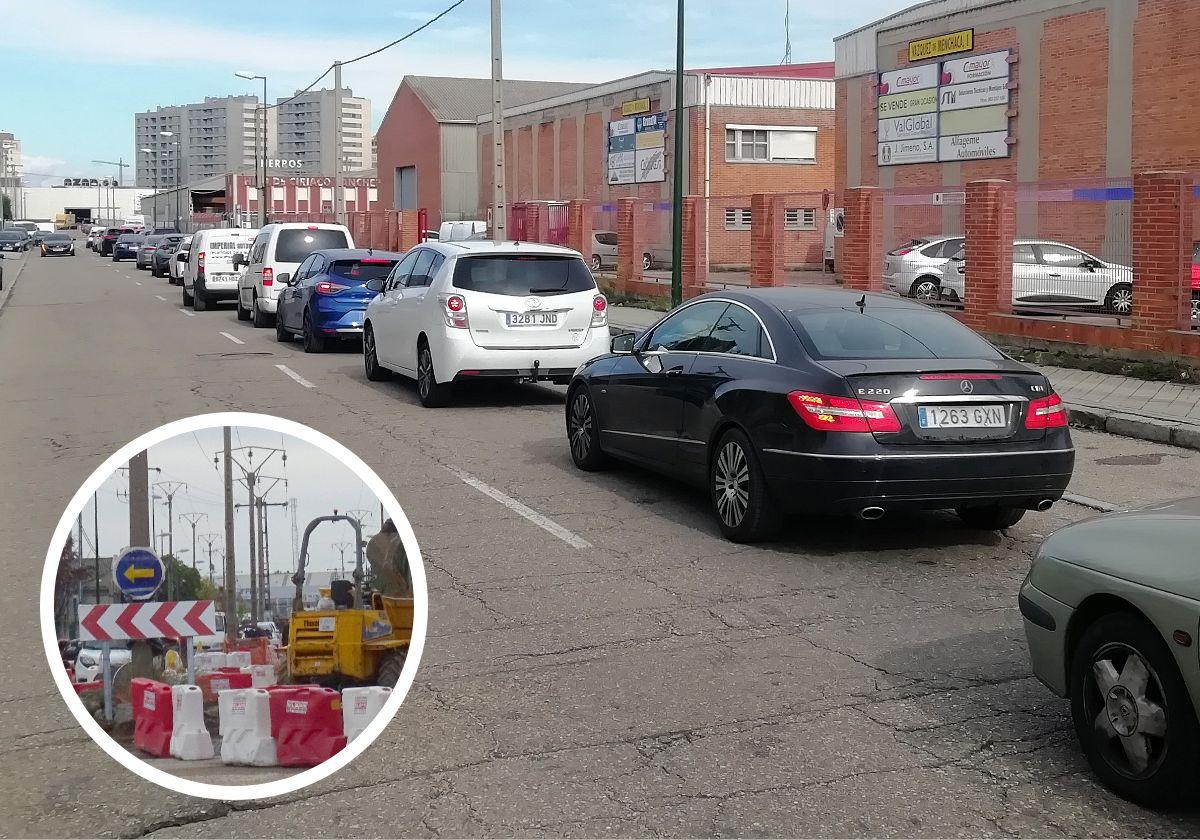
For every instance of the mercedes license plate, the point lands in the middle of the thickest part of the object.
(531, 319)
(961, 417)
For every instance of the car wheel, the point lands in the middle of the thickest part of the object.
(583, 431)
(925, 288)
(1119, 299)
(188, 300)
(261, 319)
(433, 394)
(390, 667)
(202, 301)
(375, 371)
(744, 508)
(990, 517)
(1133, 714)
(313, 343)
(243, 314)
(281, 333)
(596, 262)
(647, 262)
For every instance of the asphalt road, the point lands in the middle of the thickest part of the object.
(636, 674)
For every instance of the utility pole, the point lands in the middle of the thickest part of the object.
(209, 539)
(170, 488)
(96, 537)
(251, 475)
(341, 550)
(339, 199)
(230, 573)
(499, 207)
(677, 171)
(193, 519)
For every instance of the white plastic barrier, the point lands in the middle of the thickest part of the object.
(246, 727)
(237, 659)
(261, 676)
(359, 707)
(209, 661)
(190, 741)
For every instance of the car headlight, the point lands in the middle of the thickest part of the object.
(86, 661)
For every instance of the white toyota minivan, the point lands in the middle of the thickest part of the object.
(208, 272)
(275, 255)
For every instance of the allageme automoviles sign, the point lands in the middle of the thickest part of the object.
(946, 111)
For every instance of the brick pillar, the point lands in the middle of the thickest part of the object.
(631, 241)
(579, 227)
(410, 235)
(862, 244)
(535, 222)
(390, 224)
(378, 230)
(991, 227)
(693, 266)
(766, 239)
(1161, 225)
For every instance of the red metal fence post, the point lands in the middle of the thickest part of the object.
(862, 243)
(991, 225)
(1162, 255)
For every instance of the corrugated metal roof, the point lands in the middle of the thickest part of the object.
(453, 99)
(758, 92)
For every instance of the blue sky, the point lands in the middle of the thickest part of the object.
(71, 88)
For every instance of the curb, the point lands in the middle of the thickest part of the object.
(1185, 435)
(10, 283)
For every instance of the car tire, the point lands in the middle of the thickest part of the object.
(583, 431)
(188, 300)
(433, 394)
(990, 517)
(595, 262)
(738, 490)
(647, 262)
(1119, 299)
(201, 300)
(313, 343)
(281, 333)
(1158, 716)
(375, 371)
(243, 314)
(261, 319)
(390, 668)
(925, 288)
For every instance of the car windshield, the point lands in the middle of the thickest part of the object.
(57, 237)
(294, 245)
(9, 236)
(361, 271)
(880, 332)
(520, 274)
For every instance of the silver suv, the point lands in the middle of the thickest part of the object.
(919, 269)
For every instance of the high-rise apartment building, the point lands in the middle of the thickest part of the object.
(206, 139)
(306, 128)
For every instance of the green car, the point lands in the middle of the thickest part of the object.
(1112, 616)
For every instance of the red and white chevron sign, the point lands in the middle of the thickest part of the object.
(154, 620)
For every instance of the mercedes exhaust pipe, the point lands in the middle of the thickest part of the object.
(1044, 505)
(870, 514)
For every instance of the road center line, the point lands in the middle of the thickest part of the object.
(570, 538)
(185, 312)
(296, 376)
(160, 297)
(233, 338)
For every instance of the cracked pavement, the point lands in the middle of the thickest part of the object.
(849, 679)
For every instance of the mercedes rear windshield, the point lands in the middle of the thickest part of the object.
(882, 333)
(523, 274)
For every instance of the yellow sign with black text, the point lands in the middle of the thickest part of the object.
(635, 106)
(951, 42)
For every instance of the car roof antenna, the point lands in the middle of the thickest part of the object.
(862, 304)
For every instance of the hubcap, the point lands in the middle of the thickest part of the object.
(369, 347)
(581, 427)
(731, 484)
(926, 291)
(1128, 711)
(1123, 300)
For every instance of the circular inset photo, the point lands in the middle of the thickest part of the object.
(233, 606)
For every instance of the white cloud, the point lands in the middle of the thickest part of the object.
(41, 170)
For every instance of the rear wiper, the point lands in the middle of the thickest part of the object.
(550, 291)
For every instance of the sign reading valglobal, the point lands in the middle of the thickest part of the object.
(951, 42)
(908, 128)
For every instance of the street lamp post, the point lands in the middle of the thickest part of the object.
(262, 179)
(178, 155)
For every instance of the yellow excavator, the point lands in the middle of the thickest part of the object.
(353, 637)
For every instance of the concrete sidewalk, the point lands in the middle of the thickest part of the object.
(1164, 412)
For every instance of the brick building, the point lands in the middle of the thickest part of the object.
(1067, 98)
(748, 130)
(425, 146)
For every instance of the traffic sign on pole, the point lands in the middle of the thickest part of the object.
(156, 620)
(137, 572)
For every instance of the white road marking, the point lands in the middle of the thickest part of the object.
(185, 312)
(570, 538)
(160, 297)
(137, 282)
(1089, 502)
(233, 338)
(296, 376)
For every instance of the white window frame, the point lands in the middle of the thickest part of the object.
(800, 218)
(772, 156)
(737, 218)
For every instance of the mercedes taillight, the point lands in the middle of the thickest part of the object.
(829, 413)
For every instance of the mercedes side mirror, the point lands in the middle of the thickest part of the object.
(623, 342)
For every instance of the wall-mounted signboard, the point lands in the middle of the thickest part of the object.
(635, 106)
(637, 149)
(952, 110)
(951, 42)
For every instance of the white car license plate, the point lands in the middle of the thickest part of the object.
(961, 417)
(531, 319)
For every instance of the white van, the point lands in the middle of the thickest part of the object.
(209, 274)
(275, 255)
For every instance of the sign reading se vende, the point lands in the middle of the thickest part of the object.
(951, 42)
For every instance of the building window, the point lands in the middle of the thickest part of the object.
(737, 218)
(776, 144)
(804, 218)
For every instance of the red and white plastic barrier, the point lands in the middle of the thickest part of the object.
(214, 682)
(306, 722)
(261, 676)
(246, 727)
(153, 716)
(359, 707)
(190, 740)
(238, 659)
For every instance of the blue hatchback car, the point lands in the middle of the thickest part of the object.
(327, 296)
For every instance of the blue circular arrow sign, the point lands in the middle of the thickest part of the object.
(138, 572)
